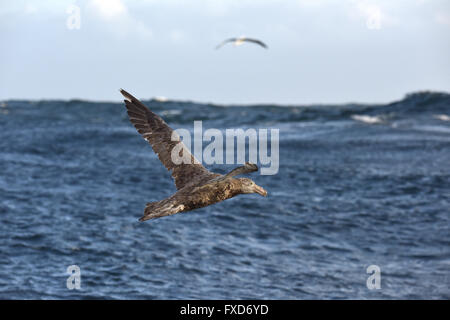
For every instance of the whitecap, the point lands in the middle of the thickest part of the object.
(367, 119)
(442, 117)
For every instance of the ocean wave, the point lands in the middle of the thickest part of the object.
(75, 177)
(367, 119)
(431, 104)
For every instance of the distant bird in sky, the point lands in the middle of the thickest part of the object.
(196, 186)
(241, 40)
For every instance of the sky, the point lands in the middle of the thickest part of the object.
(320, 51)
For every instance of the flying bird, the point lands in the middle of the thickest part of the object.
(241, 40)
(196, 186)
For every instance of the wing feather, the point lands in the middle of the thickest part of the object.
(259, 42)
(225, 42)
(156, 131)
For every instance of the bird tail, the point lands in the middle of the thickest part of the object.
(159, 209)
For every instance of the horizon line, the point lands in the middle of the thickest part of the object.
(163, 100)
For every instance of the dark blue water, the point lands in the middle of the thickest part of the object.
(75, 177)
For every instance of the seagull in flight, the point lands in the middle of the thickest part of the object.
(241, 40)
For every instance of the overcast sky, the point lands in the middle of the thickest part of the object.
(320, 51)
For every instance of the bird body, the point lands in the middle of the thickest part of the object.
(239, 41)
(188, 199)
(196, 186)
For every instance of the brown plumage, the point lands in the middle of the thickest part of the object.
(196, 186)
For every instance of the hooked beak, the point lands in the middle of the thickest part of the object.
(259, 190)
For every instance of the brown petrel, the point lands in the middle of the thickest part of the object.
(196, 186)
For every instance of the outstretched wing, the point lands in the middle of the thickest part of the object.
(156, 131)
(225, 42)
(247, 168)
(262, 44)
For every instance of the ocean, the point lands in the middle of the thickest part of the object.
(358, 185)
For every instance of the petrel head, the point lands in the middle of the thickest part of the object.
(249, 186)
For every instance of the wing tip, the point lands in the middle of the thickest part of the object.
(127, 96)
